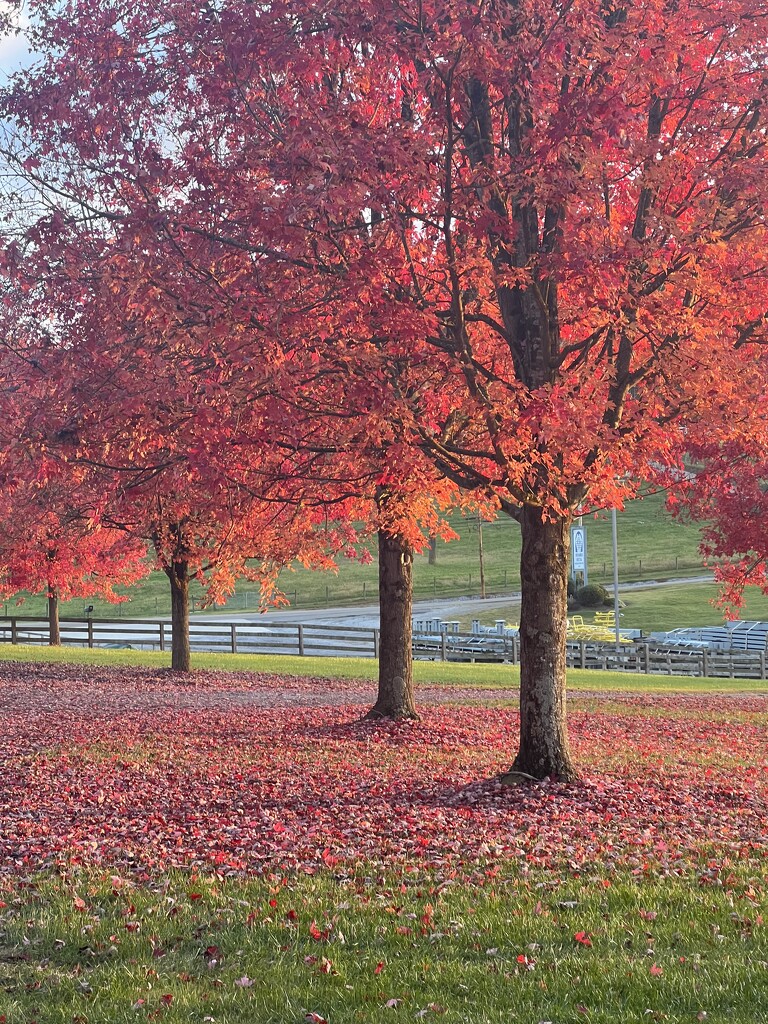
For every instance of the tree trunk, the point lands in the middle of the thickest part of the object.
(54, 630)
(178, 574)
(544, 747)
(395, 697)
(432, 560)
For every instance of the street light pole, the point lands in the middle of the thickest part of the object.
(614, 538)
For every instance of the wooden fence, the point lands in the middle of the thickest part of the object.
(355, 641)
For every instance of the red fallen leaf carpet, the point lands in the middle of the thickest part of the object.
(251, 773)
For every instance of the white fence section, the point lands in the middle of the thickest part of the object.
(652, 658)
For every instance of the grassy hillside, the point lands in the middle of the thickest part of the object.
(654, 608)
(651, 546)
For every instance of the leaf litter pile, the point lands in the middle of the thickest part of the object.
(242, 773)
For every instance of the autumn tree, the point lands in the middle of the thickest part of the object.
(170, 444)
(569, 218)
(184, 468)
(213, 465)
(51, 541)
(725, 490)
(350, 458)
(556, 210)
(168, 360)
(49, 547)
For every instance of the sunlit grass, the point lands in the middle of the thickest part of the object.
(374, 949)
(425, 672)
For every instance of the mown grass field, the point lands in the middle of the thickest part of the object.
(652, 546)
(395, 948)
(654, 608)
(239, 848)
(426, 673)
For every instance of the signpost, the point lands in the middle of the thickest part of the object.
(579, 553)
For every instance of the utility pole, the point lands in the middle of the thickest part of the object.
(614, 538)
(482, 559)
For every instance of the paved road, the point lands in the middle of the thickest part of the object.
(446, 609)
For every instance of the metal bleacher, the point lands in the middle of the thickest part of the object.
(738, 635)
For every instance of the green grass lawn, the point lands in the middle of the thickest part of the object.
(390, 881)
(387, 949)
(654, 609)
(651, 546)
(425, 672)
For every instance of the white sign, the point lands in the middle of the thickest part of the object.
(578, 549)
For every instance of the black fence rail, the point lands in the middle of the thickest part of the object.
(363, 642)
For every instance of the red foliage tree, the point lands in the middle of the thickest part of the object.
(198, 439)
(171, 446)
(180, 468)
(558, 211)
(50, 542)
(727, 493)
(50, 548)
(350, 442)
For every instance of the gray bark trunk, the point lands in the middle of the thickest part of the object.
(54, 629)
(395, 696)
(544, 749)
(178, 575)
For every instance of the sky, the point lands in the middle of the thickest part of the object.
(13, 53)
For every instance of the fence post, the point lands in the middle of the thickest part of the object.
(375, 643)
(583, 651)
(90, 632)
(233, 630)
(443, 654)
(705, 662)
(14, 631)
(762, 664)
(301, 640)
(647, 659)
(162, 635)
